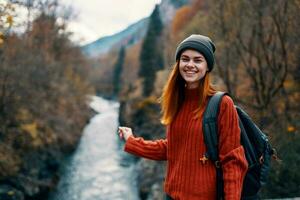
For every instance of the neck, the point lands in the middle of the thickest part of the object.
(192, 85)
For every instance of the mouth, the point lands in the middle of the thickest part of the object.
(190, 72)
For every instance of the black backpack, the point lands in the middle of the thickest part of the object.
(258, 151)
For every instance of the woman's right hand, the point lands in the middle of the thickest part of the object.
(125, 132)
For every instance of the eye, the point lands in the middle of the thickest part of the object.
(184, 59)
(198, 60)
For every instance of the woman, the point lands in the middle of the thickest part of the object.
(190, 175)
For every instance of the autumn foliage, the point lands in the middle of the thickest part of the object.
(257, 62)
(43, 103)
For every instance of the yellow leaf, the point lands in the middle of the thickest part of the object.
(9, 20)
(24, 115)
(1, 38)
(31, 129)
(291, 128)
(11, 193)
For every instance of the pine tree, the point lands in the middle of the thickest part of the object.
(151, 56)
(118, 68)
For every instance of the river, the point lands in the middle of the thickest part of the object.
(99, 169)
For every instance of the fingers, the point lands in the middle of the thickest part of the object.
(124, 129)
(121, 132)
(124, 132)
(121, 135)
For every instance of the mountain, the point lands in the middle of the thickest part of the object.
(130, 36)
(135, 32)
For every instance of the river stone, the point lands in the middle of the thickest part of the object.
(156, 192)
(8, 192)
(27, 185)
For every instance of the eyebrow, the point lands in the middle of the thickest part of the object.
(192, 57)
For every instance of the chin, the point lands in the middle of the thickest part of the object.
(190, 80)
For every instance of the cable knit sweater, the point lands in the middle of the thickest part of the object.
(187, 177)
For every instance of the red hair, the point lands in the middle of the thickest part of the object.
(173, 94)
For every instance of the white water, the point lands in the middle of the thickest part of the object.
(98, 170)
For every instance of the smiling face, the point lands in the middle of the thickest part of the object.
(192, 67)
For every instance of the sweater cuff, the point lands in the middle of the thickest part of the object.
(128, 144)
(234, 169)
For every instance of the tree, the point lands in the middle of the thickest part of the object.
(43, 101)
(257, 38)
(183, 14)
(6, 20)
(151, 56)
(258, 56)
(118, 68)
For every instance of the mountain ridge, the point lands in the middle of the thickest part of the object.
(129, 36)
(134, 32)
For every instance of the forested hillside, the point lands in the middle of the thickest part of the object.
(43, 100)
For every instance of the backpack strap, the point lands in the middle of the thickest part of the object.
(210, 133)
(210, 126)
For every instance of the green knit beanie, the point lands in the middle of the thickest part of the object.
(200, 43)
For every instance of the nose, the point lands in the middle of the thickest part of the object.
(190, 64)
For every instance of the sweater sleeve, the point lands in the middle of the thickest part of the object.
(231, 153)
(154, 150)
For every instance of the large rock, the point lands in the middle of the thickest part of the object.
(150, 179)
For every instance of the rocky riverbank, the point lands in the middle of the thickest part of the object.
(30, 165)
(143, 114)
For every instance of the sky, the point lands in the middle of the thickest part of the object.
(98, 18)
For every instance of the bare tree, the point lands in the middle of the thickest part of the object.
(256, 37)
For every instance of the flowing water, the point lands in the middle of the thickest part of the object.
(99, 169)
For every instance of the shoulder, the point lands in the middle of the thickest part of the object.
(227, 109)
(226, 103)
(227, 100)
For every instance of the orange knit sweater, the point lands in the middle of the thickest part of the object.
(187, 178)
